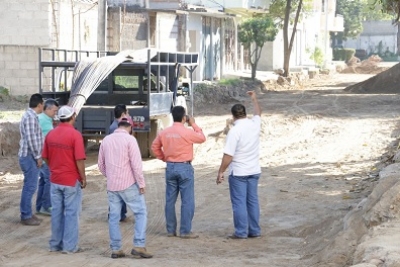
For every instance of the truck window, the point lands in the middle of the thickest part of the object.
(103, 87)
(125, 81)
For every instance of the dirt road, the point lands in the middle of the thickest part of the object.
(318, 145)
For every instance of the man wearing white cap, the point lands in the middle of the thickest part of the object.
(65, 154)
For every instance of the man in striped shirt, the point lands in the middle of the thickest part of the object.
(120, 162)
(30, 157)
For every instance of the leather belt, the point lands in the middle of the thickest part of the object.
(182, 162)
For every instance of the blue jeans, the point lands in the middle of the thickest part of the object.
(31, 173)
(66, 205)
(43, 194)
(123, 212)
(244, 199)
(136, 203)
(179, 178)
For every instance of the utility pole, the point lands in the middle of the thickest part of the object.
(102, 26)
(326, 34)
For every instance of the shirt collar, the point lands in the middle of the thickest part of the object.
(178, 124)
(31, 110)
(238, 121)
(65, 124)
(120, 131)
(46, 116)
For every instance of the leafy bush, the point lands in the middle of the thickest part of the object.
(343, 54)
(4, 91)
(317, 56)
(348, 53)
(229, 82)
(338, 54)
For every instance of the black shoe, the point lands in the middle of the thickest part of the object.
(233, 236)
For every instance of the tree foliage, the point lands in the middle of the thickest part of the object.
(277, 10)
(352, 12)
(372, 12)
(391, 7)
(253, 33)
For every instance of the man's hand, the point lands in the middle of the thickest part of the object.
(191, 121)
(142, 191)
(252, 94)
(83, 183)
(257, 109)
(39, 162)
(220, 178)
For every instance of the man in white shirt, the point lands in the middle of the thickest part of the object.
(241, 154)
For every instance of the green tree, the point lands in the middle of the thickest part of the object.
(288, 13)
(253, 33)
(352, 12)
(391, 7)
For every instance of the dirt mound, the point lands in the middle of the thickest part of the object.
(9, 138)
(368, 66)
(386, 82)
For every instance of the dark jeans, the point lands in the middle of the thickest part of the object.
(43, 193)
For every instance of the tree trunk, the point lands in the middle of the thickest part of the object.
(286, 51)
(289, 45)
(253, 71)
(398, 39)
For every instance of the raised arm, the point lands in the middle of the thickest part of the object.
(257, 109)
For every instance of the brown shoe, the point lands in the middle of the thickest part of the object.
(36, 218)
(115, 254)
(30, 221)
(189, 236)
(171, 234)
(139, 252)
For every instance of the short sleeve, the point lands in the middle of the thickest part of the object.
(79, 147)
(231, 142)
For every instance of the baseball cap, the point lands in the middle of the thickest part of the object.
(128, 119)
(66, 112)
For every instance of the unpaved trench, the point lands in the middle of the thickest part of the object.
(317, 146)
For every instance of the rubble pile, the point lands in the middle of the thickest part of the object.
(367, 66)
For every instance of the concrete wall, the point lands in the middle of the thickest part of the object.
(194, 27)
(19, 69)
(375, 32)
(166, 4)
(129, 3)
(32, 24)
(126, 30)
(25, 22)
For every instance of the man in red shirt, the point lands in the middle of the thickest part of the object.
(65, 154)
(174, 145)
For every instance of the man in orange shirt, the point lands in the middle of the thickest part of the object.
(174, 145)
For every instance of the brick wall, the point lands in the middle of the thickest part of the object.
(25, 23)
(27, 26)
(19, 69)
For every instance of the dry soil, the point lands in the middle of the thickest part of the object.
(321, 150)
